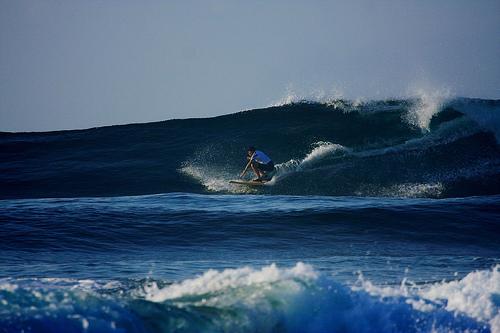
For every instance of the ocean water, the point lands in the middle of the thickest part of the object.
(383, 216)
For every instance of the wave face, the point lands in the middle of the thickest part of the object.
(403, 148)
(270, 299)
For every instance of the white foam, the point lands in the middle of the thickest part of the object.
(333, 97)
(8, 286)
(293, 299)
(320, 150)
(214, 281)
(85, 324)
(471, 295)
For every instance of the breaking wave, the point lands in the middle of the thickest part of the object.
(246, 299)
(427, 146)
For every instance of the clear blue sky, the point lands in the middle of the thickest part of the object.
(77, 64)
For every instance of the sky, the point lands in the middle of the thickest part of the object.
(67, 64)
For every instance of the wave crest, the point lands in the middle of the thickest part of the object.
(269, 299)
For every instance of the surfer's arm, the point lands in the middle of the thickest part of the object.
(248, 164)
(246, 167)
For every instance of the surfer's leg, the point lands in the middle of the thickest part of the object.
(265, 170)
(255, 169)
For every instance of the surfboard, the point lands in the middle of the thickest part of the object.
(247, 182)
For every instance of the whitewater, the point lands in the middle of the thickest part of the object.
(382, 216)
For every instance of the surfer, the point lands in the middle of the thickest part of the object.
(260, 163)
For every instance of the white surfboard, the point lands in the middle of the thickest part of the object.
(247, 182)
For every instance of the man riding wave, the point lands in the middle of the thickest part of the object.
(260, 163)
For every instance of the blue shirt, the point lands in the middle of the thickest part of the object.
(261, 158)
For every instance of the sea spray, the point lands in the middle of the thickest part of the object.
(427, 105)
(319, 151)
(333, 97)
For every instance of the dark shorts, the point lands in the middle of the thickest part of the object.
(265, 167)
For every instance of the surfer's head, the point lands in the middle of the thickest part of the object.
(250, 150)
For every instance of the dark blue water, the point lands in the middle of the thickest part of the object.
(379, 218)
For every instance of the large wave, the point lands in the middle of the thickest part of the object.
(246, 299)
(427, 146)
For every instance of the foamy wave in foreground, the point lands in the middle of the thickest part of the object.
(476, 295)
(269, 299)
(217, 282)
(300, 296)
